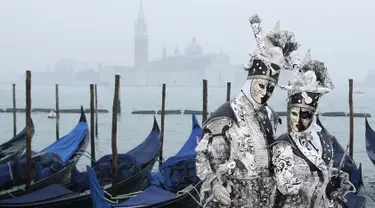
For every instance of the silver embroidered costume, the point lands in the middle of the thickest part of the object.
(233, 158)
(302, 158)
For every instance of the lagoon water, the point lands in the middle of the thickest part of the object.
(132, 129)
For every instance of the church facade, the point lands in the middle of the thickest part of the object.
(184, 68)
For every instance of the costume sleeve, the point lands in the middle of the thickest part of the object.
(212, 151)
(283, 162)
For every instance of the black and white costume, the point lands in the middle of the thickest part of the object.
(233, 157)
(302, 158)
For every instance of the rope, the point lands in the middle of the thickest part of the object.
(123, 196)
(14, 188)
(82, 152)
(187, 190)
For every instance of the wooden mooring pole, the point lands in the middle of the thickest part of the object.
(92, 133)
(115, 110)
(28, 129)
(351, 122)
(57, 112)
(14, 111)
(205, 94)
(96, 111)
(228, 91)
(163, 94)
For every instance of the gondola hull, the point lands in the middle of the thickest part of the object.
(370, 142)
(175, 184)
(56, 178)
(135, 183)
(60, 176)
(71, 195)
(186, 200)
(15, 146)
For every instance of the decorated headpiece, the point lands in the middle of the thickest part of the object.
(311, 81)
(273, 52)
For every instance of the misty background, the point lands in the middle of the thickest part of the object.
(34, 33)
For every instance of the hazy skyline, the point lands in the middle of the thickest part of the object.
(35, 33)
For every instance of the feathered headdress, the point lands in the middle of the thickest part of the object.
(274, 51)
(311, 81)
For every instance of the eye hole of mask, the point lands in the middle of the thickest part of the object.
(275, 66)
(306, 115)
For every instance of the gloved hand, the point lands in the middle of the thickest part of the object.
(333, 185)
(222, 194)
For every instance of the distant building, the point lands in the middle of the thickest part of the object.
(188, 68)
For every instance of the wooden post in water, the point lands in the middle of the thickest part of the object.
(96, 110)
(92, 133)
(28, 129)
(114, 134)
(163, 94)
(228, 91)
(205, 94)
(57, 112)
(14, 111)
(351, 122)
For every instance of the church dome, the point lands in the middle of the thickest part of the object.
(193, 49)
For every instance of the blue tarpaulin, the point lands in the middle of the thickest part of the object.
(68, 145)
(128, 164)
(175, 173)
(46, 162)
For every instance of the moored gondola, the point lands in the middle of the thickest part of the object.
(355, 173)
(174, 185)
(51, 165)
(15, 146)
(133, 172)
(370, 142)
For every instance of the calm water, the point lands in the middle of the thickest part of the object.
(132, 129)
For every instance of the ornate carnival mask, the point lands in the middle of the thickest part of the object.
(261, 90)
(300, 118)
(263, 78)
(301, 109)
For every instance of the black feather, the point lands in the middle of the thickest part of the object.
(285, 40)
(320, 71)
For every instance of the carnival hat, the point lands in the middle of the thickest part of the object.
(311, 81)
(273, 52)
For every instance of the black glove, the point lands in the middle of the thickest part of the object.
(333, 185)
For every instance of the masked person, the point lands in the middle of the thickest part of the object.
(233, 158)
(302, 158)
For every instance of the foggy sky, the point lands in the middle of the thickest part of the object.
(37, 32)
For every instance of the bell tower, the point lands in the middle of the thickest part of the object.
(140, 39)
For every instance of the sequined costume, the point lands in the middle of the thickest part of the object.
(233, 157)
(302, 159)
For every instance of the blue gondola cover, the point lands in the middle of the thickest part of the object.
(48, 161)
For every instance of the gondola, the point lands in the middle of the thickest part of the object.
(15, 146)
(370, 142)
(175, 185)
(51, 165)
(133, 172)
(349, 163)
